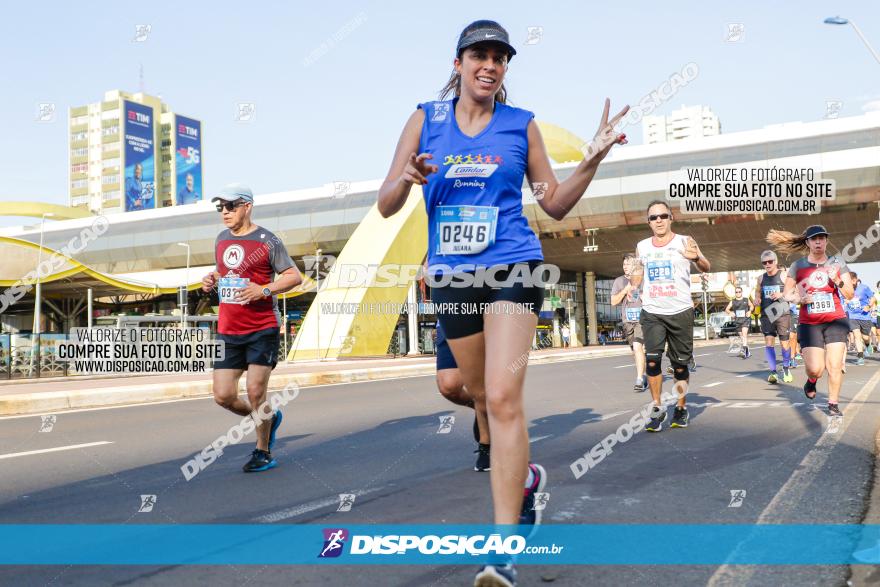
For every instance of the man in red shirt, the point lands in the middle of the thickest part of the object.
(248, 258)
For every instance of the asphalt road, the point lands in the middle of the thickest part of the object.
(379, 440)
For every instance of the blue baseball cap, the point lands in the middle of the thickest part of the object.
(234, 192)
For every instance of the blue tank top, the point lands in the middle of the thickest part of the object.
(474, 201)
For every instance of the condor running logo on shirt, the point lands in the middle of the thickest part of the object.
(471, 165)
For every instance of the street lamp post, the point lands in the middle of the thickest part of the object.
(837, 20)
(38, 299)
(184, 296)
(317, 302)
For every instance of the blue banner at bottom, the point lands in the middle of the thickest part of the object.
(563, 544)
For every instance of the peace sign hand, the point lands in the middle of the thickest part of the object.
(416, 170)
(606, 137)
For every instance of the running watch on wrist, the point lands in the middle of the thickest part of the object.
(266, 292)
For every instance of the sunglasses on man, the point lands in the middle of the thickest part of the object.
(768, 262)
(230, 206)
(663, 216)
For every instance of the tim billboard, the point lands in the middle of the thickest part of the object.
(140, 158)
(188, 159)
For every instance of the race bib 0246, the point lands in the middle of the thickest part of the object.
(465, 230)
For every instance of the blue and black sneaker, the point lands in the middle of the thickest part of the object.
(496, 576)
(261, 460)
(276, 422)
(529, 516)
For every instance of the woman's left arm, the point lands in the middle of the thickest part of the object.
(557, 199)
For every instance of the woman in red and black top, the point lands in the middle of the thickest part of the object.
(819, 283)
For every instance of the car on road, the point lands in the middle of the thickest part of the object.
(729, 329)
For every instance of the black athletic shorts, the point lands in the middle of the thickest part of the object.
(818, 335)
(742, 323)
(445, 360)
(863, 325)
(460, 309)
(256, 348)
(633, 333)
(779, 327)
(675, 330)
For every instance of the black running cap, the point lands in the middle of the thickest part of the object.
(488, 31)
(815, 230)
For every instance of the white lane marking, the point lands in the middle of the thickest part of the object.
(743, 375)
(308, 507)
(537, 438)
(715, 384)
(622, 366)
(794, 491)
(202, 397)
(56, 449)
(703, 355)
(613, 415)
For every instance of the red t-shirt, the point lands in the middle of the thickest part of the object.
(251, 258)
(814, 279)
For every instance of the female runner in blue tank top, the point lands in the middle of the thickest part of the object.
(470, 155)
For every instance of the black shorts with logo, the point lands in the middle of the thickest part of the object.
(256, 348)
(465, 322)
(818, 335)
(675, 331)
(779, 327)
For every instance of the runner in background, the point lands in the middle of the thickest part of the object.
(792, 335)
(859, 313)
(667, 316)
(820, 283)
(740, 309)
(775, 320)
(451, 387)
(248, 257)
(628, 297)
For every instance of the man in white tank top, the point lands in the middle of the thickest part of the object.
(667, 317)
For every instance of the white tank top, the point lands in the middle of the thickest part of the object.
(666, 285)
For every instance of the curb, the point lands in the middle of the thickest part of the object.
(865, 575)
(51, 401)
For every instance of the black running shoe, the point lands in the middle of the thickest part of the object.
(483, 461)
(276, 422)
(496, 576)
(834, 411)
(679, 418)
(529, 516)
(658, 415)
(261, 460)
(810, 389)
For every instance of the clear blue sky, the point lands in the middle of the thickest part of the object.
(339, 118)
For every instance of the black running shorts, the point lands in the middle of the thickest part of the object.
(675, 330)
(256, 348)
(818, 335)
(460, 309)
(863, 325)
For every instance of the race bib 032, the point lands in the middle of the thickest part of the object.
(227, 287)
